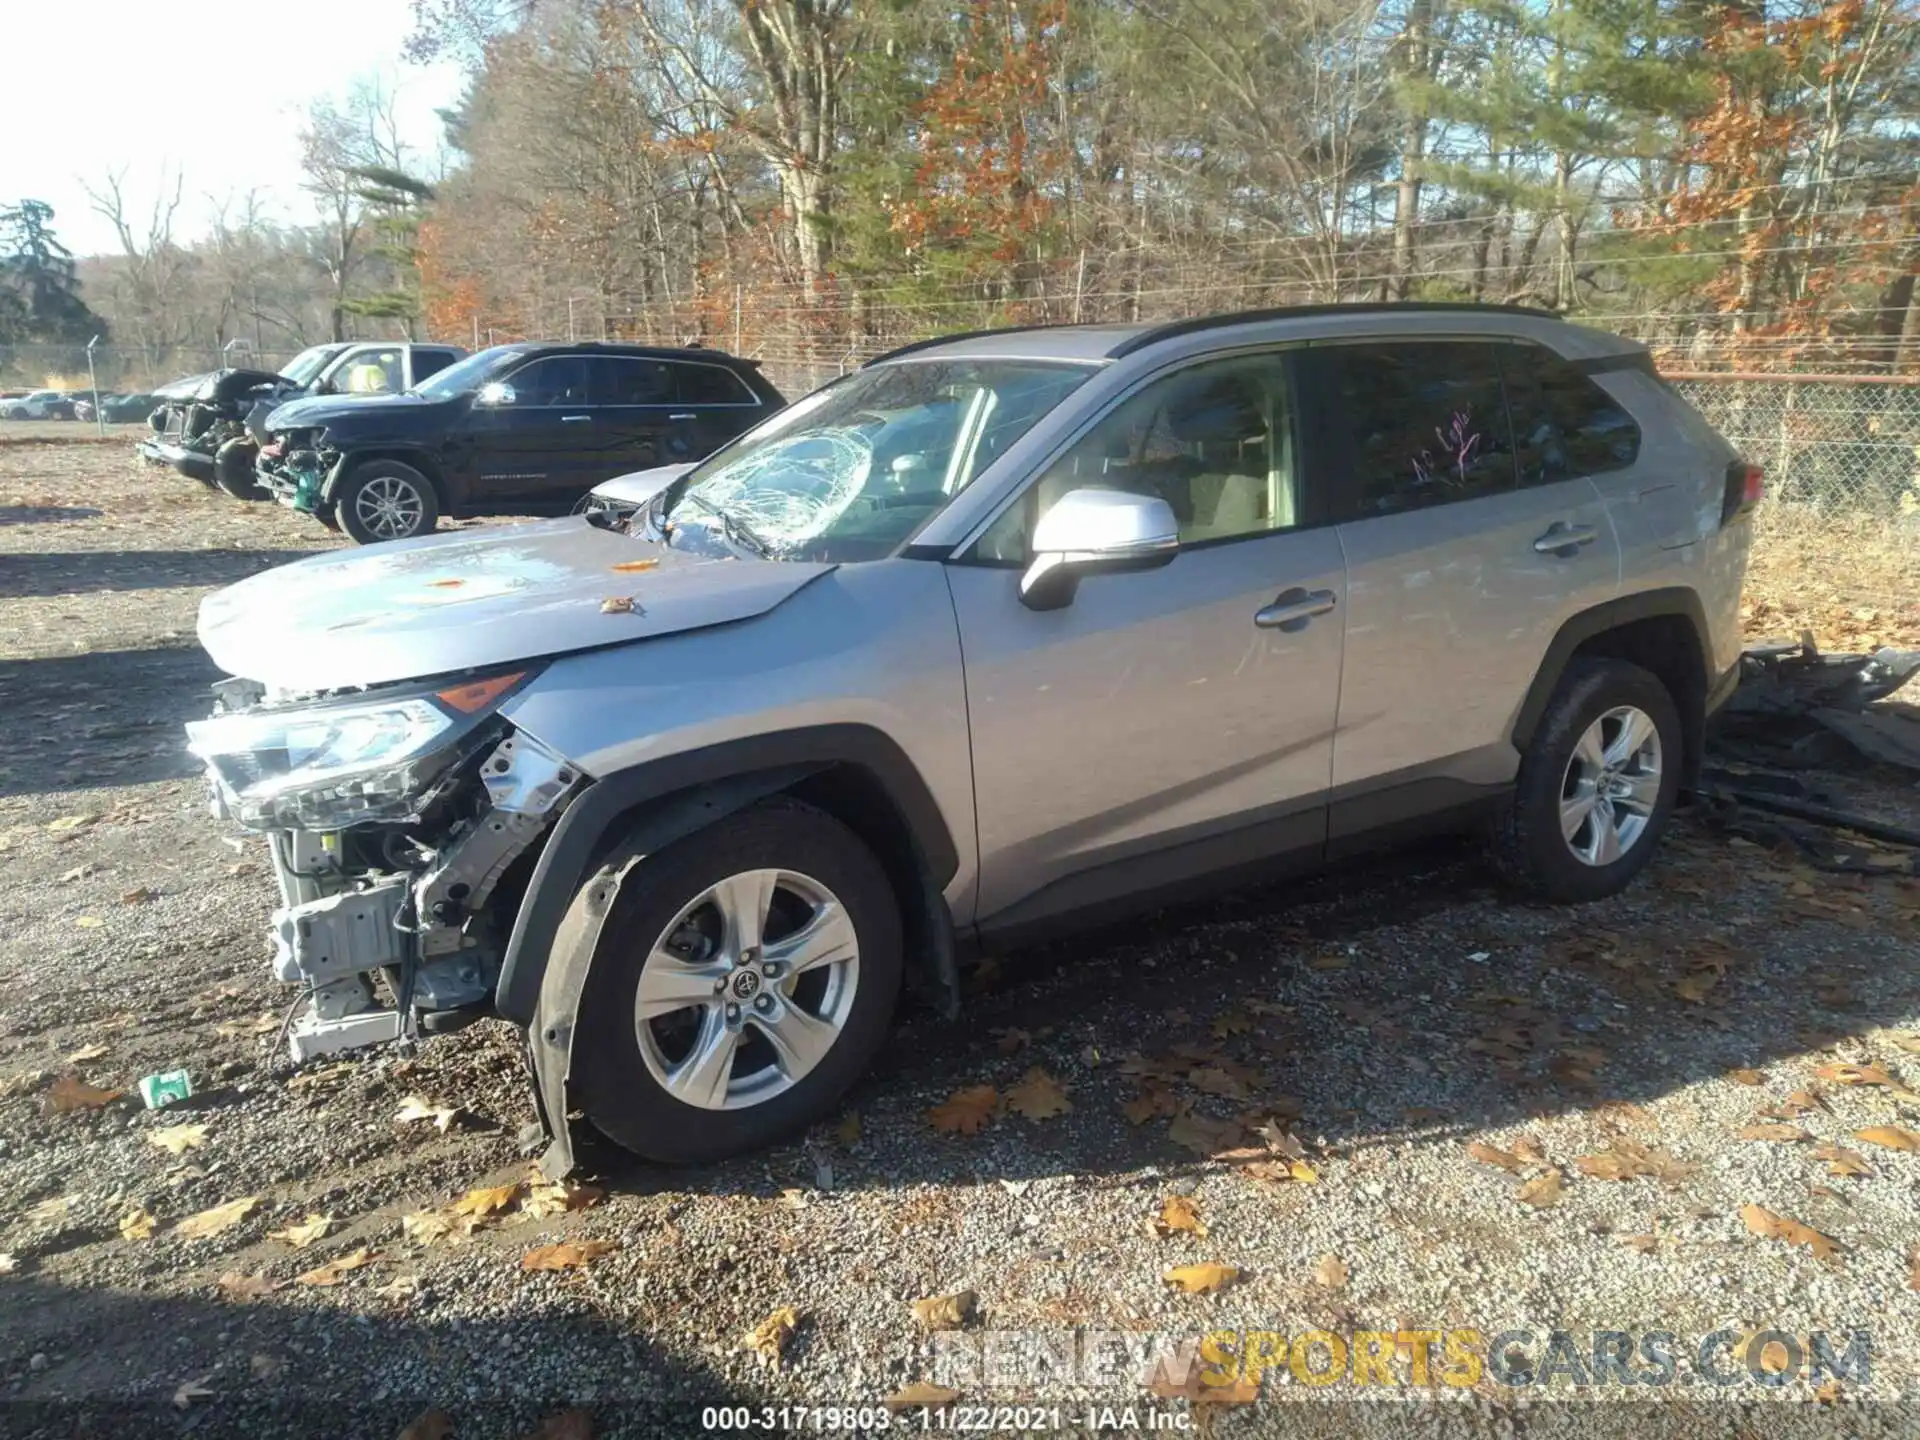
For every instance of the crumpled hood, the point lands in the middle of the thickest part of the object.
(410, 609)
(311, 411)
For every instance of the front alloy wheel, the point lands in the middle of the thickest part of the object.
(744, 978)
(747, 990)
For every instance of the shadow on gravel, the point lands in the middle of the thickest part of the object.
(274, 1369)
(1494, 1014)
(44, 514)
(111, 717)
(80, 572)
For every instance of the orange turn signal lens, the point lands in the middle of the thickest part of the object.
(478, 694)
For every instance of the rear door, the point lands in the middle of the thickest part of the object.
(636, 407)
(1465, 552)
(714, 406)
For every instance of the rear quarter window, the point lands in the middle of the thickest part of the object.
(1564, 425)
(712, 385)
(430, 362)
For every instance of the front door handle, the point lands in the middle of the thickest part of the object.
(1292, 609)
(684, 415)
(1564, 540)
(575, 419)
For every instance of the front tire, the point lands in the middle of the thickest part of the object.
(233, 469)
(1597, 785)
(386, 500)
(746, 977)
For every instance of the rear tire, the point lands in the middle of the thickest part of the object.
(386, 500)
(673, 936)
(233, 469)
(1596, 787)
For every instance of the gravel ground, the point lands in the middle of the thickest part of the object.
(1385, 1019)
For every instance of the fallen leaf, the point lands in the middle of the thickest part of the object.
(315, 1227)
(190, 1391)
(1150, 1104)
(630, 567)
(1010, 1040)
(770, 1336)
(1203, 1136)
(574, 1424)
(1694, 989)
(1178, 1212)
(90, 1052)
(617, 605)
(337, 1269)
(221, 1217)
(1234, 1022)
(423, 1227)
(1864, 1075)
(177, 1139)
(1828, 1394)
(139, 895)
(945, 1312)
(1493, 1155)
(488, 1200)
(1645, 1244)
(1328, 962)
(56, 1207)
(401, 1287)
(71, 822)
(965, 1111)
(1799, 1102)
(1772, 1357)
(89, 922)
(1769, 1226)
(1241, 1392)
(78, 872)
(1625, 1159)
(429, 1425)
(920, 1394)
(567, 1255)
(236, 1286)
(70, 1092)
(847, 1132)
(1212, 1080)
(1038, 1096)
(1841, 1162)
(418, 1107)
(136, 1224)
(1890, 1137)
(1331, 1272)
(1541, 1191)
(1746, 1077)
(1791, 1134)
(1202, 1278)
(556, 1197)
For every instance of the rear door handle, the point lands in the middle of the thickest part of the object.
(1565, 540)
(684, 415)
(575, 419)
(1292, 609)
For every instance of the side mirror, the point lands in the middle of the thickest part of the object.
(495, 392)
(1096, 532)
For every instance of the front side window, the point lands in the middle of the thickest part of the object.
(1564, 425)
(471, 373)
(556, 380)
(1416, 423)
(852, 470)
(1214, 441)
(308, 363)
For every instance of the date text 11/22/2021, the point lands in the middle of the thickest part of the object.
(945, 1419)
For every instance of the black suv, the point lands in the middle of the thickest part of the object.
(517, 428)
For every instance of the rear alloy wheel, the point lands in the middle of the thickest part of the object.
(385, 500)
(1596, 785)
(746, 977)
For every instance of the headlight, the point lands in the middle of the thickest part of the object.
(326, 767)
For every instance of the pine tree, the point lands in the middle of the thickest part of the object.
(39, 289)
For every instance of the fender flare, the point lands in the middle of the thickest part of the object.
(417, 456)
(1676, 600)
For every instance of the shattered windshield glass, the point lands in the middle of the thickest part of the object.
(852, 470)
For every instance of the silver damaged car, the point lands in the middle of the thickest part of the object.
(997, 634)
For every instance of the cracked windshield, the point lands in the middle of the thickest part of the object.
(858, 467)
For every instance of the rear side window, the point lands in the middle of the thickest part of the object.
(712, 385)
(1413, 424)
(430, 362)
(1565, 426)
(631, 380)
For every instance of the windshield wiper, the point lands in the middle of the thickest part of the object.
(734, 528)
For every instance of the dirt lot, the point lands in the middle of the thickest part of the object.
(1462, 1074)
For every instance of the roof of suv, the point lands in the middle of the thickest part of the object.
(1113, 342)
(644, 352)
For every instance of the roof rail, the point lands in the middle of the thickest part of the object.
(928, 344)
(1175, 328)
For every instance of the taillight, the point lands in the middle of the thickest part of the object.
(1745, 483)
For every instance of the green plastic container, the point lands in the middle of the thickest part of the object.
(165, 1088)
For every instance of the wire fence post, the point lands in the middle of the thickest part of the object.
(93, 383)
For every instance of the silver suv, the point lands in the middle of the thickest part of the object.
(1000, 632)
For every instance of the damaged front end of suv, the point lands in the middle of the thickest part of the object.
(402, 824)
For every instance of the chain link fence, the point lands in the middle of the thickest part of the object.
(126, 369)
(1835, 443)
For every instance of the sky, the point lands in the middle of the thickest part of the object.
(213, 91)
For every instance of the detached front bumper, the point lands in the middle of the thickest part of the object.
(193, 464)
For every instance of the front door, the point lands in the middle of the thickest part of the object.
(1168, 723)
(535, 445)
(640, 419)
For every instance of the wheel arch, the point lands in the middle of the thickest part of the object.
(419, 459)
(1663, 631)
